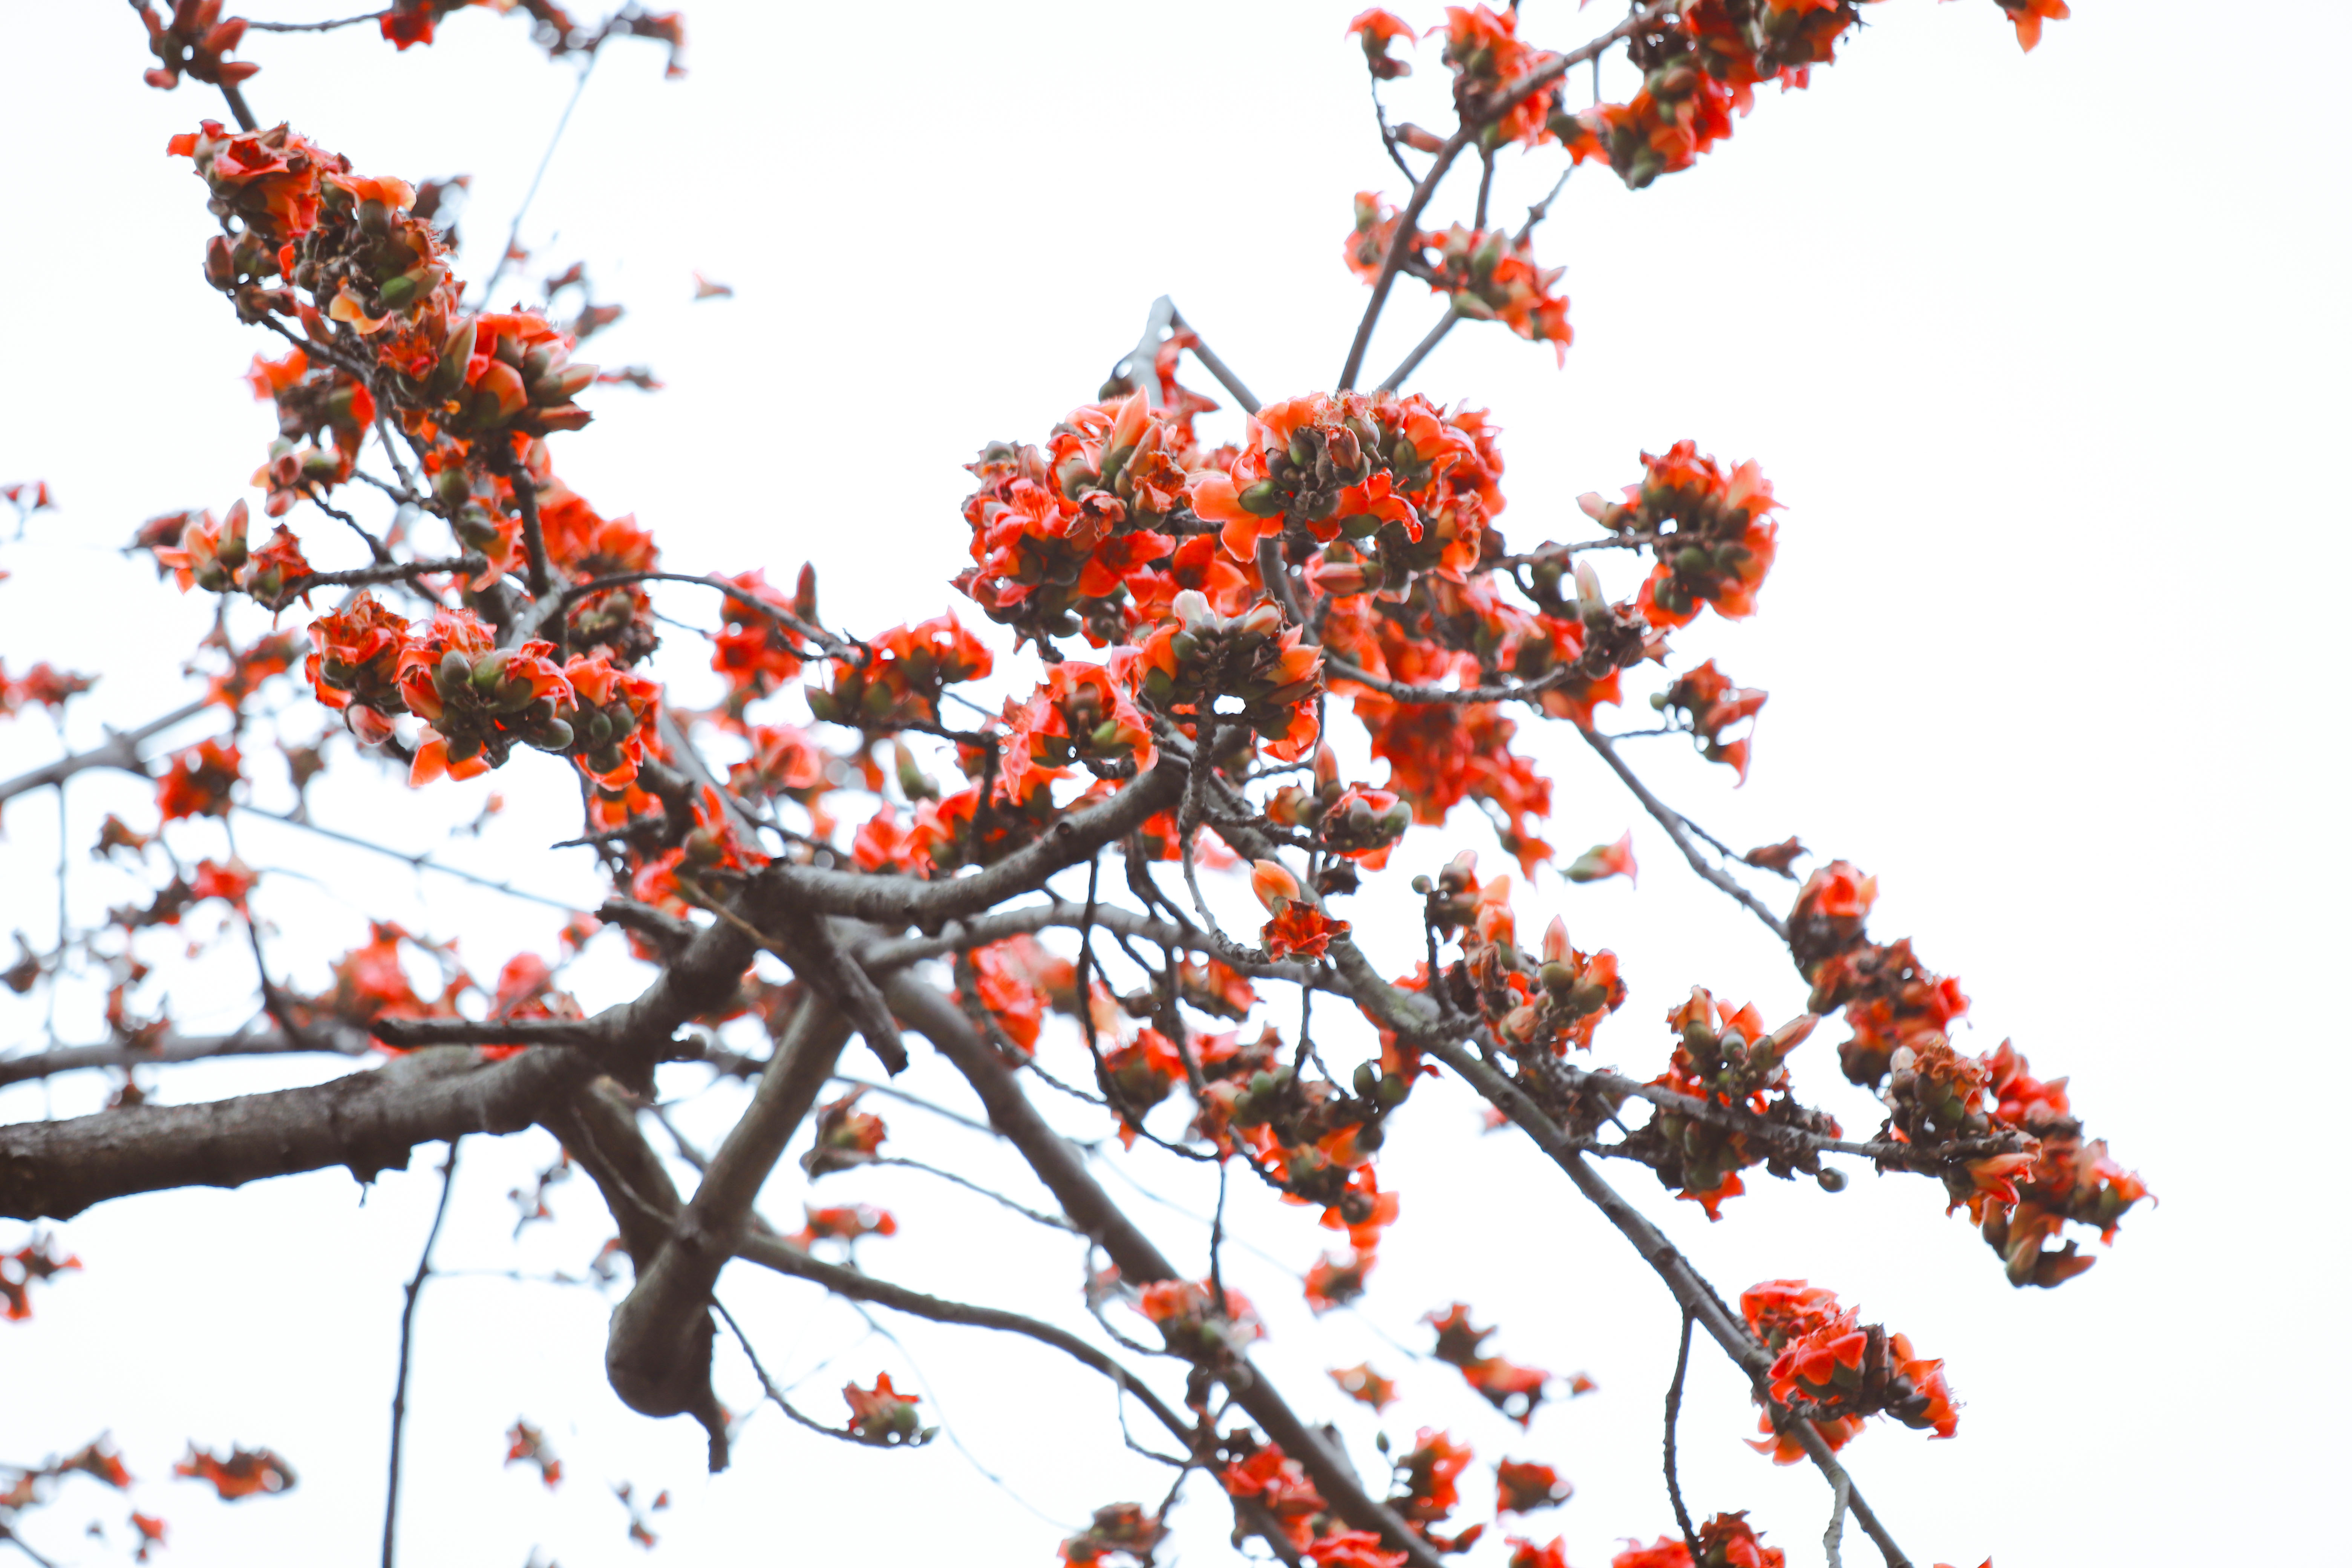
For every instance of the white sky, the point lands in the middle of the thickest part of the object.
(2043, 354)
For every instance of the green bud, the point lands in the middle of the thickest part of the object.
(1263, 498)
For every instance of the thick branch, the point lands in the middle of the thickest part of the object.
(658, 1354)
(367, 1122)
(894, 901)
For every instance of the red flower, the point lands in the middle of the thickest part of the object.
(884, 1417)
(37, 1259)
(1522, 1487)
(2027, 16)
(527, 1443)
(849, 1222)
(198, 781)
(1361, 1384)
(1606, 860)
(247, 1472)
(1336, 1281)
(1278, 1482)
(1352, 1549)
(1375, 29)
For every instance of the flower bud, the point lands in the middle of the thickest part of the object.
(1275, 886)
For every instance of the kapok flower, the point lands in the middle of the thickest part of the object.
(884, 1417)
(1188, 1314)
(2027, 16)
(526, 1444)
(1362, 1384)
(847, 1222)
(1522, 1487)
(198, 781)
(1606, 860)
(1376, 29)
(1298, 929)
(1121, 1527)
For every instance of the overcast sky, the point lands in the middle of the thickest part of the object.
(2045, 356)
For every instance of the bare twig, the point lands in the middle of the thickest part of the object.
(1673, 1413)
(1214, 365)
(119, 751)
(1680, 832)
(313, 26)
(514, 230)
(407, 1344)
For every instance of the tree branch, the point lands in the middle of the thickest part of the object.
(324, 1040)
(119, 751)
(657, 1353)
(1680, 832)
(1508, 98)
(1139, 1262)
(407, 1342)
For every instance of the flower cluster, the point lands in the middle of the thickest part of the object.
(1355, 821)
(1708, 702)
(1727, 1540)
(1705, 65)
(1199, 1319)
(897, 679)
(215, 555)
(1727, 1057)
(478, 700)
(1487, 275)
(1538, 1004)
(1708, 530)
(1066, 538)
(1198, 655)
(44, 685)
(1484, 48)
(1426, 1490)
(195, 43)
(2016, 1154)
(1283, 1489)
(1120, 1529)
(1829, 1370)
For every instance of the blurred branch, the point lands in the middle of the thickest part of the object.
(119, 751)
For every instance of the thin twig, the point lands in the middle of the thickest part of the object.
(514, 230)
(1680, 831)
(1673, 1413)
(313, 26)
(407, 1343)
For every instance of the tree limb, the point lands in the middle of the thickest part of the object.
(1139, 1262)
(119, 750)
